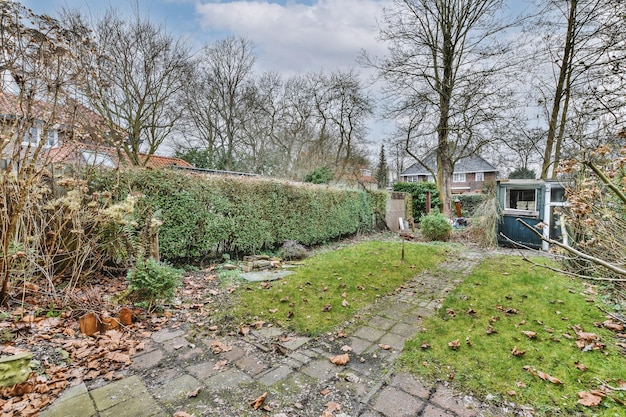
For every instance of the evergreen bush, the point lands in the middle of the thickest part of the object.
(435, 227)
(152, 282)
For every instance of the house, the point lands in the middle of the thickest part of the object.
(471, 173)
(64, 133)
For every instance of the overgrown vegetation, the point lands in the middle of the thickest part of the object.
(509, 326)
(332, 286)
(203, 216)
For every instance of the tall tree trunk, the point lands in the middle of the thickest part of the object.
(558, 94)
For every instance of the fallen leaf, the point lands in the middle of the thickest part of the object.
(454, 345)
(520, 384)
(332, 406)
(327, 307)
(471, 311)
(450, 312)
(244, 330)
(529, 334)
(219, 365)
(256, 404)
(273, 310)
(340, 359)
(490, 330)
(325, 391)
(516, 352)
(345, 303)
(425, 345)
(588, 399)
(219, 347)
(181, 414)
(616, 327)
(194, 393)
(327, 413)
(547, 377)
(384, 346)
(581, 366)
(342, 334)
(511, 393)
(346, 348)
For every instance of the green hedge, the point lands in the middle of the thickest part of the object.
(418, 191)
(205, 215)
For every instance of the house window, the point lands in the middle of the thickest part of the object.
(31, 137)
(52, 138)
(458, 177)
(98, 159)
(480, 176)
(430, 178)
(525, 199)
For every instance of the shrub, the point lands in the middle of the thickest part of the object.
(435, 227)
(292, 250)
(152, 281)
(470, 203)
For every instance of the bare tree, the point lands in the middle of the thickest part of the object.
(137, 73)
(443, 74)
(216, 99)
(581, 38)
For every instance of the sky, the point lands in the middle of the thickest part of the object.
(292, 36)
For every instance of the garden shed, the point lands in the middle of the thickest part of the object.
(534, 202)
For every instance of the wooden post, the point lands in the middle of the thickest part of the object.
(427, 202)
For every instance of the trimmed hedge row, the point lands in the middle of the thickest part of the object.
(418, 192)
(205, 215)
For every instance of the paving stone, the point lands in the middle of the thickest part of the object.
(147, 360)
(369, 333)
(444, 398)
(251, 364)
(275, 375)
(321, 369)
(309, 353)
(295, 342)
(166, 334)
(203, 370)
(381, 323)
(404, 329)
(267, 332)
(118, 392)
(395, 341)
(175, 344)
(392, 402)
(73, 402)
(410, 385)
(359, 345)
(228, 379)
(232, 355)
(143, 406)
(190, 354)
(177, 389)
(299, 357)
(432, 411)
(370, 413)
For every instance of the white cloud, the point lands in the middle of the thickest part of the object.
(295, 37)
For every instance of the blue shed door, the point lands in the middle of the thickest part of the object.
(517, 232)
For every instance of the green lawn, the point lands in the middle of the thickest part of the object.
(332, 286)
(488, 314)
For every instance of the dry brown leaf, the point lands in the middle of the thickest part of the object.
(327, 413)
(588, 399)
(181, 414)
(511, 393)
(218, 346)
(547, 377)
(332, 406)
(342, 334)
(273, 310)
(219, 365)
(581, 366)
(327, 307)
(520, 384)
(529, 334)
(425, 345)
(517, 352)
(256, 404)
(345, 303)
(384, 346)
(490, 330)
(454, 345)
(450, 312)
(340, 359)
(244, 330)
(346, 348)
(194, 393)
(325, 391)
(611, 325)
